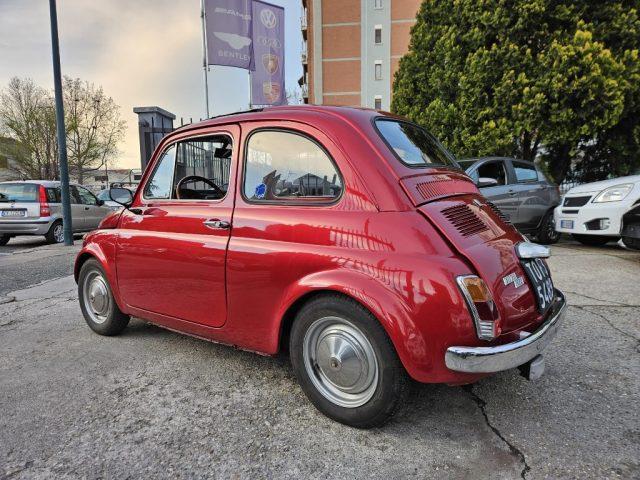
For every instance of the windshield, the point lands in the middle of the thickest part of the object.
(465, 164)
(18, 192)
(413, 145)
(104, 195)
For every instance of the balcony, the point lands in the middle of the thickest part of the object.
(303, 53)
(305, 91)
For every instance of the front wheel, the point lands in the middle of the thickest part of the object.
(633, 243)
(593, 240)
(96, 301)
(547, 233)
(345, 362)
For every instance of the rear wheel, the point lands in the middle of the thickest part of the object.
(345, 362)
(55, 233)
(4, 239)
(96, 301)
(547, 233)
(593, 240)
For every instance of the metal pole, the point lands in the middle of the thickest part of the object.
(204, 56)
(62, 139)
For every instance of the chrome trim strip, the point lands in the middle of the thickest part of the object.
(510, 355)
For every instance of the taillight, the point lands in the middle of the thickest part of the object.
(481, 305)
(45, 211)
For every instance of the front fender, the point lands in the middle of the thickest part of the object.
(101, 245)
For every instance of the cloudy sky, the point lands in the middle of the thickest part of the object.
(143, 52)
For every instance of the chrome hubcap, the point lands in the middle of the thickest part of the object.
(97, 299)
(340, 362)
(58, 233)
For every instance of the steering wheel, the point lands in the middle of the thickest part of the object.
(197, 178)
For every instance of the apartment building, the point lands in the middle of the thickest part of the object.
(352, 48)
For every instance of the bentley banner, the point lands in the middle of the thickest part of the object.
(249, 34)
(228, 26)
(267, 78)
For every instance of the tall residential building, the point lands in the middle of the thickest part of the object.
(351, 49)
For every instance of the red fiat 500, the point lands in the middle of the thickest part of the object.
(347, 236)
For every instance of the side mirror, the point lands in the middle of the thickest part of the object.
(487, 182)
(99, 202)
(123, 196)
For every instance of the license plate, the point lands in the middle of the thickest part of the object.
(540, 277)
(13, 213)
(566, 224)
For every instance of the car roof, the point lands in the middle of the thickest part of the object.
(291, 112)
(46, 183)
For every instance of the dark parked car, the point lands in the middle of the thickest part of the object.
(521, 192)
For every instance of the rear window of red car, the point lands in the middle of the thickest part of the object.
(413, 145)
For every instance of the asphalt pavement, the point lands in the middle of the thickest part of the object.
(156, 404)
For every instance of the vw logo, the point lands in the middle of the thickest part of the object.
(268, 18)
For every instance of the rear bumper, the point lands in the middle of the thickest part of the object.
(510, 355)
(24, 227)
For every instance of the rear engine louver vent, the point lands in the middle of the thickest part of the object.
(464, 219)
(445, 185)
(497, 211)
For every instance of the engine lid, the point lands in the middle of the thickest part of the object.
(474, 227)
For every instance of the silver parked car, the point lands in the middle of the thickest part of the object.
(33, 207)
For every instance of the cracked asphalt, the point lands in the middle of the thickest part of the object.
(155, 404)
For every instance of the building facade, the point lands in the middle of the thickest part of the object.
(351, 49)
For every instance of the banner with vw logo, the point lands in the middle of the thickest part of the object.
(229, 33)
(267, 78)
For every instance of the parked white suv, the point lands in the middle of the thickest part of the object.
(592, 212)
(33, 207)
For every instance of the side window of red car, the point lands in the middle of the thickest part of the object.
(285, 166)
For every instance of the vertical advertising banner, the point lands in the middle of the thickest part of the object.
(267, 78)
(228, 27)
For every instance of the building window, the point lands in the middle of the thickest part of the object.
(378, 35)
(377, 4)
(377, 101)
(378, 69)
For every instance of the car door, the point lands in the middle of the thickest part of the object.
(171, 251)
(79, 211)
(501, 195)
(531, 194)
(93, 212)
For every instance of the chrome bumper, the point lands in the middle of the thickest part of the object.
(509, 355)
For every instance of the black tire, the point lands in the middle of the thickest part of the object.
(633, 243)
(52, 235)
(4, 239)
(387, 393)
(547, 233)
(109, 320)
(593, 240)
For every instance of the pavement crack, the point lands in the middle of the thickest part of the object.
(612, 325)
(515, 451)
(617, 304)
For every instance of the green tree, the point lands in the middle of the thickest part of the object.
(522, 78)
(93, 124)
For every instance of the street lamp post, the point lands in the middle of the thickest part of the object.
(62, 139)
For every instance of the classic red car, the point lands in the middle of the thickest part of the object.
(346, 236)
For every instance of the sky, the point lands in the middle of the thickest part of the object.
(142, 52)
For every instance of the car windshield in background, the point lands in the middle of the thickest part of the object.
(18, 192)
(413, 145)
(464, 164)
(104, 195)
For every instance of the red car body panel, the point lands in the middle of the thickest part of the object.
(385, 243)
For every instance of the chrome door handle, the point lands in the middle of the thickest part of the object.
(217, 224)
(511, 192)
